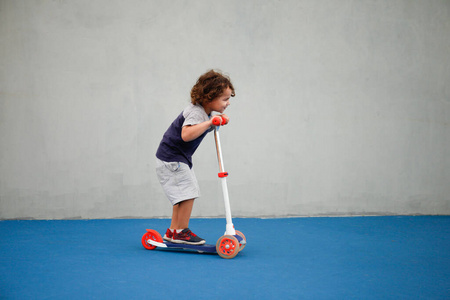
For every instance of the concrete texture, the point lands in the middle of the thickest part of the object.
(342, 107)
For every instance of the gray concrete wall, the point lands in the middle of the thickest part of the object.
(342, 107)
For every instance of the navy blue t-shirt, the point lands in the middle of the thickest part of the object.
(172, 147)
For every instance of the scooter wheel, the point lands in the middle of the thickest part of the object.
(151, 235)
(241, 247)
(227, 246)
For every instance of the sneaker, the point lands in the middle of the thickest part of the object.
(168, 236)
(187, 237)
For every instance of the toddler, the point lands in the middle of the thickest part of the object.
(212, 92)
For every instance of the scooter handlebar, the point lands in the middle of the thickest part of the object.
(218, 121)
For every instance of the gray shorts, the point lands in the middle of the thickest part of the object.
(177, 180)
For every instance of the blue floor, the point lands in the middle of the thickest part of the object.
(294, 258)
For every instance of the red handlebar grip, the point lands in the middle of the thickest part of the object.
(217, 121)
(224, 121)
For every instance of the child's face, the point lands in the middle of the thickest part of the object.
(220, 103)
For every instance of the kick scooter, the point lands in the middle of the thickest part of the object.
(228, 245)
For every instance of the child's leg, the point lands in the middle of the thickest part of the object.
(181, 214)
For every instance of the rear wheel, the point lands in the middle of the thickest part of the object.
(151, 235)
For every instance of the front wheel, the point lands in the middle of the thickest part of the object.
(241, 247)
(227, 246)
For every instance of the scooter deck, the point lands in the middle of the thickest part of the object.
(205, 248)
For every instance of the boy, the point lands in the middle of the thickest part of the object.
(211, 92)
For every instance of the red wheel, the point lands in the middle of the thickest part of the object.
(151, 235)
(241, 247)
(227, 246)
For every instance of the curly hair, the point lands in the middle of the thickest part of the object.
(209, 86)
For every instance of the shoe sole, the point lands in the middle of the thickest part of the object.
(167, 239)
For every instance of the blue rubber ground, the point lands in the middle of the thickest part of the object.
(295, 258)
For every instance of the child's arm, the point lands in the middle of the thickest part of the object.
(191, 132)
